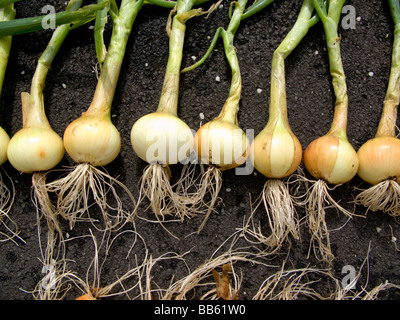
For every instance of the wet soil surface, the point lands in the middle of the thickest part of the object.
(367, 243)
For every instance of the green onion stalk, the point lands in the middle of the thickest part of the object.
(379, 156)
(161, 138)
(37, 148)
(276, 152)
(92, 141)
(7, 13)
(220, 143)
(330, 159)
(34, 24)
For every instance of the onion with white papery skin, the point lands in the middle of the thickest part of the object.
(45, 150)
(161, 137)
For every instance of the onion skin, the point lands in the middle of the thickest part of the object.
(161, 137)
(4, 140)
(331, 158)
(276, 152)
(92, 139)
(213, 137)
(379, 160)
(34, 149)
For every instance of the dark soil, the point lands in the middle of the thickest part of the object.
(366, 53)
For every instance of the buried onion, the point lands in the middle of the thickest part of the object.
(276, 152)
(379, 156)
(330, 159)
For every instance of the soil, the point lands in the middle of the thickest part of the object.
(366, 54)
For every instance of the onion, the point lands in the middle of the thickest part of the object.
(162, 139)
(276, 152)
(330, 159)
(37, 148)
(92, 140)
(379, 156)
(7, 13)
(220, 143)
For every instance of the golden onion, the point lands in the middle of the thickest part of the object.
(331, 158)
(379, 159)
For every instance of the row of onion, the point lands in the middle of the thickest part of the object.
(162, 139)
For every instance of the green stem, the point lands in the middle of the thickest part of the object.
(330, 23)
(170, 91)
(33, 104)
(100, 23)
(387, 123)
(162, 3)
(395, 11)
(6, 13)
(257, 6)
(231, 106)
(107, 83)
(33, 24)
(278, 102)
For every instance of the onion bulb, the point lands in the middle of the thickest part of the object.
(161, 137)
(4, 140)
(379, 157)
(92, 138)
(93, 141)
(35, 149)
(332, 159)
(221, 144)
(380, 167)
(276, 152)
(379, 160)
